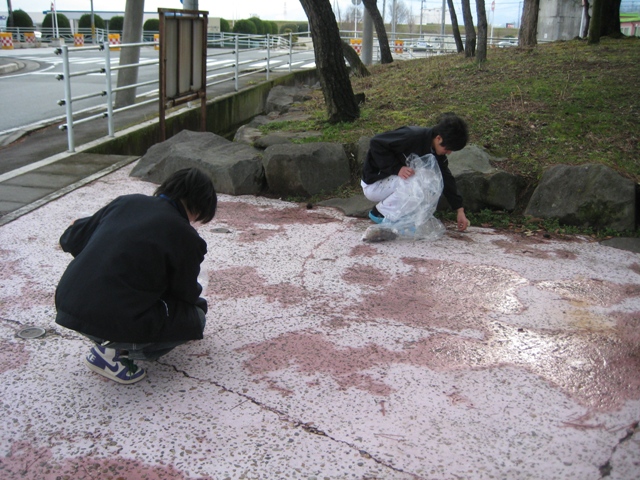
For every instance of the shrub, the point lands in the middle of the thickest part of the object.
(289, 28)
(273, 28)
(85, 21)
(151, 25)
(63, 21)
(224, 26)
(259, 25)
(116, 23)
(20, 19)
(245, 26)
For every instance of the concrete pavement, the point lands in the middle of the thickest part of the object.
(480, 355)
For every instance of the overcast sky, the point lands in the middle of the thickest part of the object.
(505, 10)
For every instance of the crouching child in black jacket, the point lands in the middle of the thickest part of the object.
(132, 287)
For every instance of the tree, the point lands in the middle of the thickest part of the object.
(85, 21)
(327, 46)
(224, 26)
(359, 68)
(610, 23)
(596, 22)
(152, 25)
(481, 54)
(469, 30)
(63, 21)
(131, 33)
(454, 27)
(245, 26)
(21, 19)
(527, 36)
(116, 23)
(259, 25)
(378, 24)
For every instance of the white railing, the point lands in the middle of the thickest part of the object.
(273, 45)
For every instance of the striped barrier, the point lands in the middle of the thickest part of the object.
(30, 39)
(156, 38)
(356, 44)
(7, 40)
(78, 40)
(114, 39)
(399, 46)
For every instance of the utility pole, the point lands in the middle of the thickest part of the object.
(421, 10)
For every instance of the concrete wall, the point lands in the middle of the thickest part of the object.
(559, 20)
(224, 116)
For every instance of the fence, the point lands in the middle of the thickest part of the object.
(274, 46)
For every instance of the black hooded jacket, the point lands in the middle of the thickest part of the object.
(134, 277)
(388, 153)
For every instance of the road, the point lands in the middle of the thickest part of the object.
(30, 97)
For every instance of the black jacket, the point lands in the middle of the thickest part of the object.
(134, 277)
(388, 153)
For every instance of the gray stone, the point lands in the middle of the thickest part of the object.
(355, 206)
(235, 168)
(281, 98)
(495, 191)
(586, 196)
(246, 134)
(471, 159)
(622, 243)
(363, 149)
(306, 169)
(269, 140)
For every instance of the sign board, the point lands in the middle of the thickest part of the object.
(183, 60)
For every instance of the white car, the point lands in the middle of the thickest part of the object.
(507, 43)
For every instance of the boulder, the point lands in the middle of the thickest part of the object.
(272, 139)
(494, 191)
(354, 206)
(306, 169)
(362, 150)
(586, 196)
(235, 168)
(281, 98)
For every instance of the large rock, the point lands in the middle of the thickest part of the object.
(281, 98)
(236, 168)
(306, 169)
(586, 196)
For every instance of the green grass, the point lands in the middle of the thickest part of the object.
(558, 103)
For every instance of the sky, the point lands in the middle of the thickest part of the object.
(505, 10)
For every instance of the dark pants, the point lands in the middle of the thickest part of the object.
(146, 351)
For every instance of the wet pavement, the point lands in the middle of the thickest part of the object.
(480, 355)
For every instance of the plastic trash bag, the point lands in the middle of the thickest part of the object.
(418, 198)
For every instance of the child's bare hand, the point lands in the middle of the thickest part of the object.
(406, 172)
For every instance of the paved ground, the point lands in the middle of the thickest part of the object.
(480, 355)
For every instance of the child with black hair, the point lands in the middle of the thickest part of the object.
(132, 286)
(385, 164)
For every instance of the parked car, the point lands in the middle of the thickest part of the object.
(419, 46)
(507, 43)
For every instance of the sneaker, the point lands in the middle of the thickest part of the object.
(109, 363)
(375, 215)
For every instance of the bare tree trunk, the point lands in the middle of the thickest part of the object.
(378, 23)
(469, 30)
(327, 46)
(454, 27)
(481, 54)
(587, 18)
(610, 25)
(131, 33)
(359, 68)
(596, 22)
(10, 21)
(528, 35)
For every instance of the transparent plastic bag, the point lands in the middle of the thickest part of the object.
(418, 198)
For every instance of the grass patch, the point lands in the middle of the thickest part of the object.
(559, 103)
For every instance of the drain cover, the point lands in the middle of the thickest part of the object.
(31, 332)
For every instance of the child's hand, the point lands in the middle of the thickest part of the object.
(406, 172)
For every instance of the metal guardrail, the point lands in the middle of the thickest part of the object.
(274, 45)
